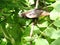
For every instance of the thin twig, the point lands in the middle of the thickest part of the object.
(32, 28)
(31, 32)
(32, 24)
(37, 2)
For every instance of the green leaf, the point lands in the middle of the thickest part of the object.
(44, 24)
(52, 33)
(57, 0)
(27, 31)
(54, 14)
(56, 34)
(1, 29)
(3, 41)
(28, 22)
(41, 41)
(49, 31)
(57, 23)
(56, 42)
(56, 5)
(36, 30)
(27, 38)
(0, 14)
(31, 2)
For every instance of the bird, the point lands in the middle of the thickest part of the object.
(34, 13)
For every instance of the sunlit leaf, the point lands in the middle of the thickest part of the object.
(3, 41)
(56, 42)
(54, 14)
(49, 31)
(57, 23)
(31, 2)
(52, 33)
(41, 41)
(56, 34)
(28, 38)
(44, 24)
(36, 30)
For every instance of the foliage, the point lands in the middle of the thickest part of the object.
(15, 30)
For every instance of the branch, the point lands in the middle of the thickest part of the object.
(37, 2)
(32, 28)
(31, 31)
